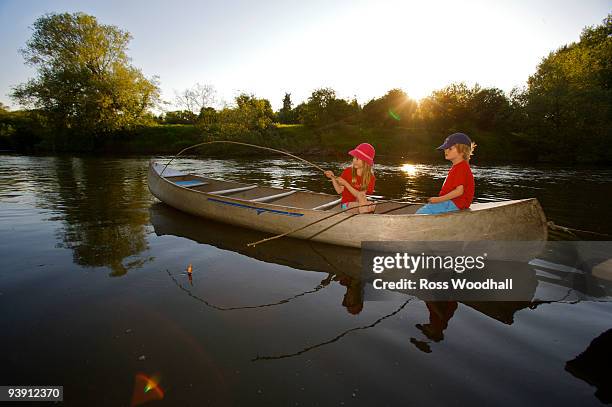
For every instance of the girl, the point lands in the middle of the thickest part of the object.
(357, 181)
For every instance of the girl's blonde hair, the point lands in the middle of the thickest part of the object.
(365, 178)
(465, 150)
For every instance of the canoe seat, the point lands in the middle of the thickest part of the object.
(232, 190)
(190, 183)
(273, 197)
(327, 205)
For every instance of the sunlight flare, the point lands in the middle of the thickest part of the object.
(409, 169)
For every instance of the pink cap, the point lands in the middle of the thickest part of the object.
(365, 152)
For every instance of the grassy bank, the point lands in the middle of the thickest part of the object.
(393, 143)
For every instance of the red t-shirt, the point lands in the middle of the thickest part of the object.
(347, 175)
(460, 174)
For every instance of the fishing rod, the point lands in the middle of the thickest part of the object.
(405, 204)
(252, 244)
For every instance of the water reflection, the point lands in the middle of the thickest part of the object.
(342, 266)
(335, 338)
(409, 169)
(298, 254)
(218, 307)
(102, 206)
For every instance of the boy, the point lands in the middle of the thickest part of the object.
(458, 189)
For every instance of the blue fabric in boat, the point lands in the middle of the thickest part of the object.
(191, 183)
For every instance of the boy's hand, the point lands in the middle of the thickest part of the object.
(329, 174)
(434, 199)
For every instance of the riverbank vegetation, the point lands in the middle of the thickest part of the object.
(88, 97)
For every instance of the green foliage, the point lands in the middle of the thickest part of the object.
(325, 109)
(459, 107)
(254, 113)
(22, 130)
(249, 115)
(568, 102)
(180, 117)
(207, 117)
(287, 115)
(84, 84)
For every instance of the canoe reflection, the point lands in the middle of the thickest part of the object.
(342, 264)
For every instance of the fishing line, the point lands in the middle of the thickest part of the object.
(336, 338)
(241, 144)
(221, 308)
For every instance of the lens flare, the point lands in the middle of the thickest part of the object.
(409, 169)
(394, 115)
(146, 389)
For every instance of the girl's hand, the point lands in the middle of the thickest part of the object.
(342, 181)
(329, 174)
(434, 199)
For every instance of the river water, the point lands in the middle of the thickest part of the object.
(93, 292)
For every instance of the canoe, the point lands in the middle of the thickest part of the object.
(279, 210)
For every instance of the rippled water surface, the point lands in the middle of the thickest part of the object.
(93, 291)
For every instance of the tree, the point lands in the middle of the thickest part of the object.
(324, 109)
(448, 109)
(250, 115)
(489, 109)
(84, 83)
(207, 116)
(196, 98)
(255, 113)
(568, 101)
(286, 114)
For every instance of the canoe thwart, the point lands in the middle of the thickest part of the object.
(272, 197)
(327, 205)
(232, 190)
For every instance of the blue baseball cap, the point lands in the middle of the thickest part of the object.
(455, 138)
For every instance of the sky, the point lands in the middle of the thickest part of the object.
(361, 49)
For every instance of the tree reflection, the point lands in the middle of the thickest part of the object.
(104, 210)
